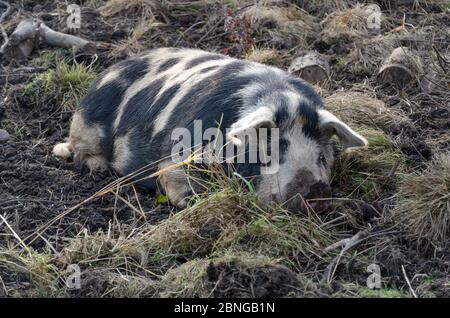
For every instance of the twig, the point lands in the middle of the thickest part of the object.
(441, 60)
(393, 169)
(408, 282)
(7, 12)
(2, 18)
(348, 243)
(3, 285)
(15, 234)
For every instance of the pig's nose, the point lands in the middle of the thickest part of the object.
(317, 197)
(319, 190)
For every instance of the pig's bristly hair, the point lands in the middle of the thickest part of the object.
(138, 102)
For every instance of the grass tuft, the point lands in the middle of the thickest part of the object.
(423, 208)
(39, 276)
(360, 109)
(264, 56)
(231, 275)
(64, 85)
(369, 174)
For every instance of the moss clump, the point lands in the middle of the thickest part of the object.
(48, 58)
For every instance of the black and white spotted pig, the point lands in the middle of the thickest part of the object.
(126, 119)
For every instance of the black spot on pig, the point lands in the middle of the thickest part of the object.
(168, 64)
(308, 113)
(306, 90)
(141, 109)
(281, 115)
(134, 69)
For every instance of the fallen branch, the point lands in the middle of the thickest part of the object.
(30, 33)
(348, 243)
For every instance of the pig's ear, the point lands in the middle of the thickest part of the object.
(331, 125)
(262, 117)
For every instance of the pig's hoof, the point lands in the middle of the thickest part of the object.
(178, 202)
(95, 163)
(62, 150)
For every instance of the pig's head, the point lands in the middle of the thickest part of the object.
(306, 153)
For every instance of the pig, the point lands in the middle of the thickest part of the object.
(125, 122)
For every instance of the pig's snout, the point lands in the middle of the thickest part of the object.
(317, 197)
(306, 194)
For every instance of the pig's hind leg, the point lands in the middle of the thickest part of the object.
(83, 144)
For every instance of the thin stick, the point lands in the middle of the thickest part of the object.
(408, 282)
(14, 233)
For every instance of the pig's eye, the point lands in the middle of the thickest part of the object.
(322, 159)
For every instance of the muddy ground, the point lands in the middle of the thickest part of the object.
(36, 187)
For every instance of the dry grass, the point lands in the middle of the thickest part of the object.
(368, 54)
(232, 275)
(361, 110)
(135, 44)
(423, 208)
(229, 216)
(41, 275)
(289, 25)
(144, 7)
(369, 174)
(264, 56)
(348, 24)
(325, 7)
